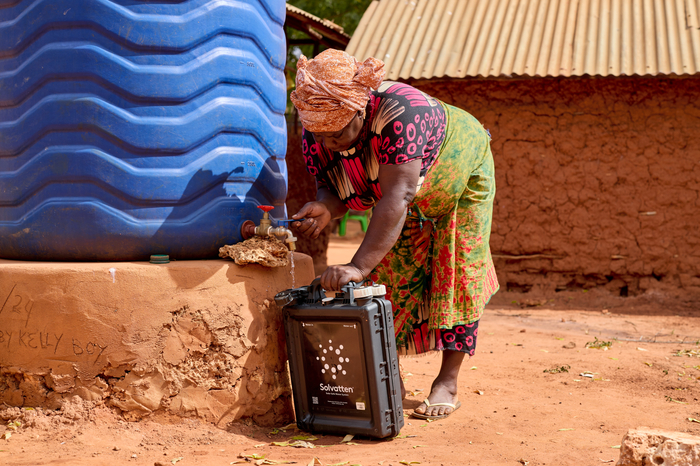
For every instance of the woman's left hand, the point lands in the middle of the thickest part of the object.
(336, 276)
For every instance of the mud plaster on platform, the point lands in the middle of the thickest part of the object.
(191, 338)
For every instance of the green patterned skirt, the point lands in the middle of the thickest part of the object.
(440, 274)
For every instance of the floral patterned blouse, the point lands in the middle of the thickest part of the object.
(402, 124)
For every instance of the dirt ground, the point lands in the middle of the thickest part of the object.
(533, 394)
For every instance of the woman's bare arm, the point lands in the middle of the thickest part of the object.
(398, 184)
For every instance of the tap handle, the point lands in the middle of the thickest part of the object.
(266, 208)
(286, 221)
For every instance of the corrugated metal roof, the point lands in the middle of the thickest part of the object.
(323, 30)
(423, 39)
(292, 10)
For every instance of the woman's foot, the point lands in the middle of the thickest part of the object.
(443, 393)
(403, 388)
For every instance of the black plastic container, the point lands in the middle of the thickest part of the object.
(343, 362)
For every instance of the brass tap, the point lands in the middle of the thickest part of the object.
(290, 238)
(250, 229)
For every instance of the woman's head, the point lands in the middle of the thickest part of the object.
(343, 138)
(332, 91)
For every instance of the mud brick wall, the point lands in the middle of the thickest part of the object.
(597, 179)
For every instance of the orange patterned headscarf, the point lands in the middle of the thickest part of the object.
(332, 87)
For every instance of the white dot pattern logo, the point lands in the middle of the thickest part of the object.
(335, 368)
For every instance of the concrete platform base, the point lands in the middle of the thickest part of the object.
(193, 338)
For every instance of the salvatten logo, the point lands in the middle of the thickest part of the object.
(335, 388)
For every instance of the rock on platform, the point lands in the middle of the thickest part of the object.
(191, 338)
(651, 447)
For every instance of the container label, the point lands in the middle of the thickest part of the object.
(334, 365)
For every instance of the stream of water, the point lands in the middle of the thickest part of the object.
(291, 270)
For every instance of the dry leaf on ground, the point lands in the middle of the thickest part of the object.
(308, 438)
(14, 425)
(295, 444)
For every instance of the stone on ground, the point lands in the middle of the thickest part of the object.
(651, 447)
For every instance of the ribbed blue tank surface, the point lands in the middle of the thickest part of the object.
(130, 128)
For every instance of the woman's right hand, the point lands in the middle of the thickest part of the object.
(316, 216)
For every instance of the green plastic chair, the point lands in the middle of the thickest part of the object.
(363, 218)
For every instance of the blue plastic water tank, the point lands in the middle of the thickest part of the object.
(130, 128)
